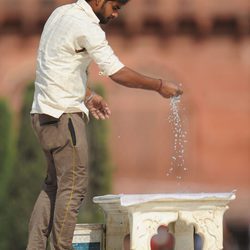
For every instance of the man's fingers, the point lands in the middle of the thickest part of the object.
(94, 113)
(99, 110)
(107, 112)
(170, 89)
(100, 115)
(105, 107)
(179, 92)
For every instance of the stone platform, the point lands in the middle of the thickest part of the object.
(140, 216)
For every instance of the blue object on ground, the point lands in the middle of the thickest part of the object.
(86, 246)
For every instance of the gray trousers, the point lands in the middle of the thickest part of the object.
(64, 143)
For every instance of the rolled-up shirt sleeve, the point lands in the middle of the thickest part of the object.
(94, 41)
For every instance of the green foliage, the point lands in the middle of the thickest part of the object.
(100, 167)
(7, 153)
(7, 146)
(25, 182)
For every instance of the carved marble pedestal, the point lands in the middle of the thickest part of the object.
(141, 216)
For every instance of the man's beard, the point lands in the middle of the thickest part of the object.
(101, 17)
(103, 20)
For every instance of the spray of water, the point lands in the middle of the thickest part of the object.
(180, 139)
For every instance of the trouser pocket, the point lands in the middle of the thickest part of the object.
(47, 120)
(72, 131)
(50, 131)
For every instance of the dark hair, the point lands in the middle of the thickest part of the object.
(119, 1)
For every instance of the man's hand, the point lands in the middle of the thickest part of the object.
(97, 107)
(169, 89)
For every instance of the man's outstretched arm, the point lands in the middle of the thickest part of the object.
(129, 78)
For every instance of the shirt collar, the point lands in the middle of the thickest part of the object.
(87, 8)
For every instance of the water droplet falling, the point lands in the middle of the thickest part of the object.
(177, 158)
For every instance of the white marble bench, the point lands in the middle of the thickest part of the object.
(141, 216)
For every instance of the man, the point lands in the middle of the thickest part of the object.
(71, 38)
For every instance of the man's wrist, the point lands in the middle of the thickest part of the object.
(89, 97)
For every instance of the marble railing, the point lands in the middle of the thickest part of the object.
(138, 218)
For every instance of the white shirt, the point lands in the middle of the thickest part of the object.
(71, 38)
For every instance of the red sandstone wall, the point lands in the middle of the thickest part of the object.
(30, 13)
